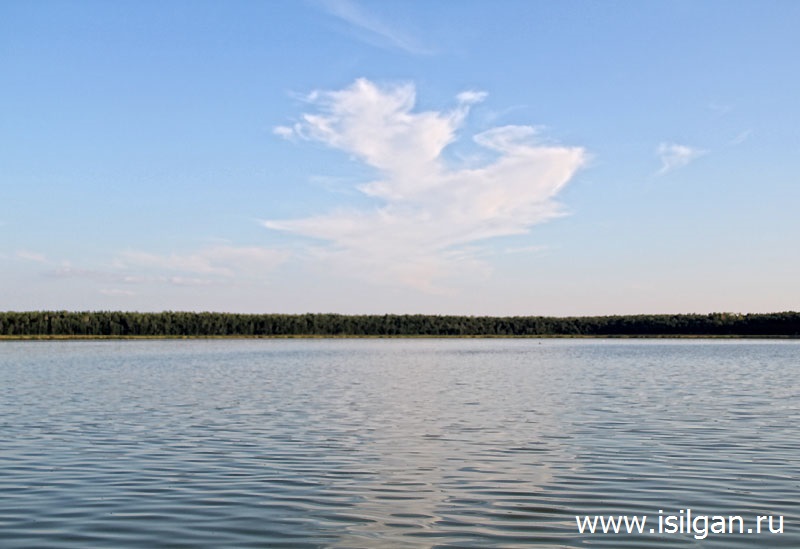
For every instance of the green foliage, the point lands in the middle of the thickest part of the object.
(185, 324)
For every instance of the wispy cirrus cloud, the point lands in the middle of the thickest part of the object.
(369, 28)
(674, 156)
(427, 212)
(27, 255)
(208, 266)
(741, 137)
(224, 261)
(721, 109)
(116, 292)
(105, 275)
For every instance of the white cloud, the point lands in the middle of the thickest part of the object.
(116, 292)
(720, 108)
(471, 96)
(66, 270)
(225, 261)
(675, 156)
(188, 281)
(221, 265)
(505, 138)
(526, 250)
(283, 131)
(741, 138)
(372, 30)
(428, 210)
(31, 256)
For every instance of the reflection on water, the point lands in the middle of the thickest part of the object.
(392, 443)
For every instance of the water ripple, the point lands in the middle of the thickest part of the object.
(431, 443)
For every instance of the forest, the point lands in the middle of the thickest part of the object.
(209, 324)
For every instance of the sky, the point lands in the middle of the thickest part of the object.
(370, 157)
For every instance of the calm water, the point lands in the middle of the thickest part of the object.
(393, 443)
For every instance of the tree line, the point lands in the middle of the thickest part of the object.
(186, 324)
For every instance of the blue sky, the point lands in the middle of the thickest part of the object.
(513, 158)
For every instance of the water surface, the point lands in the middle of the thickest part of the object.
(392, 443)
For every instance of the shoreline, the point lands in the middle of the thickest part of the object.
(44, 337)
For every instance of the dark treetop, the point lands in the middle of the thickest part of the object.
(180, 324)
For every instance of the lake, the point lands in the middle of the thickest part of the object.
(396, 443)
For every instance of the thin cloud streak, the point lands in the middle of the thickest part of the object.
(220, 265)
(116, 292)
(428, 211)
(369, 28)
(741, 138)
(674, 156)
(31, 256)
(220, 261)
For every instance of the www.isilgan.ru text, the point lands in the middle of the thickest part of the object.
(683, 522)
